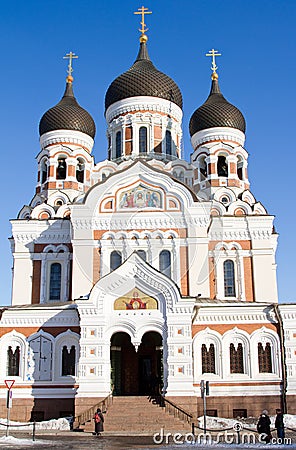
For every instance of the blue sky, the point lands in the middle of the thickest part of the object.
(256, 73)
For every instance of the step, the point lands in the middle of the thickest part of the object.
(139, 414)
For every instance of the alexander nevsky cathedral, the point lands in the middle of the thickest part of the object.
(145, 269)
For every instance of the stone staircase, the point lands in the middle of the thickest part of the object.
(138, 415)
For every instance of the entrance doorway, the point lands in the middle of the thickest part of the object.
(136, 373)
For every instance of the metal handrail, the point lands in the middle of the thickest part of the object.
(88, 414)
(176, 410)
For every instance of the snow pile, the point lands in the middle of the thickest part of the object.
(217, 423)
(53, 424)
(11, 441)
(220, 423)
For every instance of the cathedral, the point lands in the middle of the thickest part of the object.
(145, 271)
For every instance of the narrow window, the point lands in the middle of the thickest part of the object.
(43, 171)
(68, 361)
(13, 362)
(165, 263)
(55, 281)
(264, 358)
(142, 254)
(61, 169)
(168, 142)
(80, 169)
(143, 140)
(118, 145)
(236, 359)
(208, 359)
(229, 280)
(115, 260)
(222, 167)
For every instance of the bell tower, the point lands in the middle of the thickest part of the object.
(217, 130)
(66, 138)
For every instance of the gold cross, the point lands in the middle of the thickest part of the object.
(143, 11)
(213, 53)
(70, 56)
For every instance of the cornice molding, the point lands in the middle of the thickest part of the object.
(138, 223)
(142, 103)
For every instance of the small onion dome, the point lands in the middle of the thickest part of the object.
(143, 79)
(67, 115)
(216, 112)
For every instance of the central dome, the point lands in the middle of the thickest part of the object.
(143, 79)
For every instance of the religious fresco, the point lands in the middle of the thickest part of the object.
(135, 299)
(140, 197)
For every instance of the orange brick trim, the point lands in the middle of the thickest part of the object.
(245, 245)
(246, 383)
(36, 282)
(96, 265)
(182, 232)
(28, 331)
(248, 271)
(222, 328)
(184, 270)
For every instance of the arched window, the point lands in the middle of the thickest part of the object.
(115, 260)
(165, 262)
(61, 169)
(13, 362)
(236, 359)
(68, 361)
(143, 140)
(240, 165)
(208, 359)
(264, 358)
(43, 170)
(222, 167)
(80, 169)
(118, 145)
(229, 279)
(203, 168)
(168, 142)
(142, 254)
(55, 281)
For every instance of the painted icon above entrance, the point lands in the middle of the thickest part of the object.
(140, 197)
(135, 299)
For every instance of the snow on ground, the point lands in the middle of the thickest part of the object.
(53, 424)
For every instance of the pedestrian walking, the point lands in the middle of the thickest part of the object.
(99, 422)
(263, 427)
(279, 424)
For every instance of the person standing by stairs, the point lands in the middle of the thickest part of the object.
(99, 422)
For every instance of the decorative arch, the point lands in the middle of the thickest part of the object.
(15, 340)
(207, 337)
(64, 344)
(235, 337)
(266, 335)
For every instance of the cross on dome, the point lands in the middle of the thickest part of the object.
(213, 53)
(70, 56)
(143, 30)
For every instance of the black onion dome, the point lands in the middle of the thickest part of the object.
(216, 112)
(67, 115)
(143, 79)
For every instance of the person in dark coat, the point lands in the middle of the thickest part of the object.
(263, 427)
(279, 424)
(99, 422)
